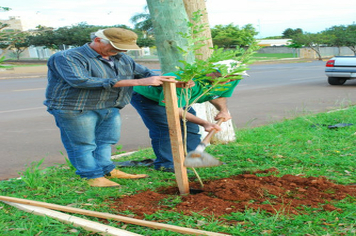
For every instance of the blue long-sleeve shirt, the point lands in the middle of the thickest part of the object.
(81, 79)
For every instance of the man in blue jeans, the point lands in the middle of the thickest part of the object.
(149, 103)
(87, 87)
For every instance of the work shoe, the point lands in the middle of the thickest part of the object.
(164, 169)
(146, 162)
(171, 170)
(102, 182)
(122, 175)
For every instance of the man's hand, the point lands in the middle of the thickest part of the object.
(156, 80)
(149, 81)
(210, 126)
(221, 105)
(188, 84)
(225, 115)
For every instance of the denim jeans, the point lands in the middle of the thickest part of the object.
(87, 137)
(155, 118)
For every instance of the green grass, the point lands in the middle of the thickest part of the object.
(299, 146)
(272, 56)
(11, 65)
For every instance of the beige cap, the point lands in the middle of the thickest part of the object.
(119, 38)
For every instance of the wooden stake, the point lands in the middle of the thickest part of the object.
(175, 134)
(73, 220)
(125, 219)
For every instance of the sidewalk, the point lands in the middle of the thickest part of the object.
(23, 72)
(38, 71)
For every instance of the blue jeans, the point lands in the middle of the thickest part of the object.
(155, 118)
(87, 137)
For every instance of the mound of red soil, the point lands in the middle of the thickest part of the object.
(284, 195)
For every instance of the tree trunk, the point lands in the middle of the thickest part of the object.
(4, 51)
(192, 6)
(353, 48)
(317, 50)
(206, 110)
(168, 19)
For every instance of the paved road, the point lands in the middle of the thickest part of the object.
(277, 91)
(271, 93)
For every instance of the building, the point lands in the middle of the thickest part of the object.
(273, 42)
(14, 23)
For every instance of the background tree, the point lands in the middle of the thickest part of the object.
(58, 39)
(15, 40)
(62, 37)
(142, 21)
(3, 25)
(19, 43)
(43, 37)
(3, 34)
(350, 37)
(336, 36)
(146, 42)
(144, 28)
(313, 41)
(294, 46)
(224, 36)
(4, 8)
(290, 33)
(231, 36)
(4, 38)
(273, 37)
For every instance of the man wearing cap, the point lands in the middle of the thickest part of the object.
(87, 87)
(149, 103)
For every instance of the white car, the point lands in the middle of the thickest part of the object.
(341, 68)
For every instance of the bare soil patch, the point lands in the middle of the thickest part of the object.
(288, 194)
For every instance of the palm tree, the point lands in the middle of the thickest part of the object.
(143, 22)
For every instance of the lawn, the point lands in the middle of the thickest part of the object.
(303, 147)
(272, 56)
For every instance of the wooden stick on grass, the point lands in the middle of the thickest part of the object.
(128, 220)
(89, 225)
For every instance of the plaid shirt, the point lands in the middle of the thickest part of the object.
(80, 79)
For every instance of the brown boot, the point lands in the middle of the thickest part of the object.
(102, 182)
(122, 175)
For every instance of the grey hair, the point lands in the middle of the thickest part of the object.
(93, 36)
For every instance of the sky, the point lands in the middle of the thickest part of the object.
(269, 18)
